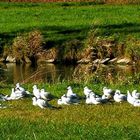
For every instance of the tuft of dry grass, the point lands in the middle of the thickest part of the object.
(26, 46)
(132, 49)
(101, 47)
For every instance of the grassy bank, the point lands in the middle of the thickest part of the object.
(60, 22)
(72, 122)
(22, 120)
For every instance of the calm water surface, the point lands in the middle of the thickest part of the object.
(25, 73)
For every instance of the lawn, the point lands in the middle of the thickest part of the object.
(60, 22)
(22, 120)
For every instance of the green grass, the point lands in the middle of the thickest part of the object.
(22, 120)
(60, 22)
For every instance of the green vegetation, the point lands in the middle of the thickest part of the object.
(65, 26)
(60, 22)
(99, 47)
(27, 46)
(114, 121)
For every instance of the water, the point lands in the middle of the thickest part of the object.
(25, 73)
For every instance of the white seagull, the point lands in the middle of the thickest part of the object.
(15, 95)
(87, 91)
(136, 103)
(36, 92)
(118, 97)
(88, 99)
(40, 102)
(130, 98)
(94, 99)
(70, 92)
(136, 94)
(64, 100)
(73, 96)
(108, 92)
(18, 87)
(44, 95)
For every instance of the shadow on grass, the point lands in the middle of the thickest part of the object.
(58, 35)
(123, 28)
(53, 35)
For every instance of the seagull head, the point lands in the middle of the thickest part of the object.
(134, 91)
(42, 90)
(34, 86)
(17, 84)
(64, 95)
(69, 87)
(104, 88)
(86, 87)
(117, 91)
(34, 98)
(128, 92)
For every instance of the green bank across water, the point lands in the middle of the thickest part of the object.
(60, 22)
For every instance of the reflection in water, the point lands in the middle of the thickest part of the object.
(44, 72)
(25, 73)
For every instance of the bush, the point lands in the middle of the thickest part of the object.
(132, 49)
(69, 51)
(19, 48)
(27, 46)
(110, 46)
(102, 47)
(34, 41)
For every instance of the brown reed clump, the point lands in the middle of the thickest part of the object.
(132, 49)
(27, 46)
(19, 48)
(101, 47)
(34, 41)
(69, 51)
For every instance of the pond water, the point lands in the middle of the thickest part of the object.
(44, 72)
(25, 73)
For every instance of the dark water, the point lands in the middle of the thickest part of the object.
(25, 73)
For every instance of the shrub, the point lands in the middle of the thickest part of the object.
(69, 50)
(19, 48)
(6, 51)
(34, 40)
(27, 46)
(132, 49)
(102, 47)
